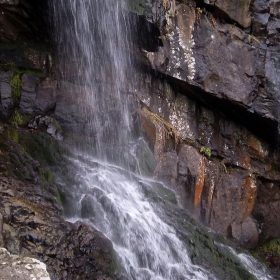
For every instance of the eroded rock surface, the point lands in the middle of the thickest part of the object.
(16, 267)
(209, 109)
(219, 168)
(220, 61)
(213, 119)
(33, 226)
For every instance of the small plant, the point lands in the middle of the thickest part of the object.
(16, 85)
(205, 151)
(198, 13)
(253, 38)
(200, 137)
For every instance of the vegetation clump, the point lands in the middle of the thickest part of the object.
(271, 247)
(16, 118)
(205, 151)
(16, 85)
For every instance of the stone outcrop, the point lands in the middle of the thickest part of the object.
(33, 226)
(209, 110)
(16, 267)
(214, 119)
(31, 222)
(222, 63)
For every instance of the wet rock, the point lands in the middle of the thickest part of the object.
(46, 124)
(46, 96)
(219, 188)
(28, 94)
(70, 251)
(238, 11)
(225, 61)
(6, 97)
(16, 267)
(246, 232)
(267, 209)
(190, 176)
(1, 231)
(72, 110)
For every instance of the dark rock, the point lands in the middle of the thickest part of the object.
(46, 124)
(226, 61)
(46, 96)
(238, 10)
(1, 231)
(267, 209)
(31, 217)
(72, 110)
(6, 95)
(28, 94)
(220, 188)
(6, 98)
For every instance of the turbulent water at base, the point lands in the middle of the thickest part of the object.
(93, 37)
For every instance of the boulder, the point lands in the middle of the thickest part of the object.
(33, 226)
(17, 267)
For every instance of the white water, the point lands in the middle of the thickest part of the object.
(92, 36)
(148, 247)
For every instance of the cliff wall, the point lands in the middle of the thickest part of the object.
(207, 97)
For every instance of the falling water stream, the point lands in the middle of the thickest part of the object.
(108, 191)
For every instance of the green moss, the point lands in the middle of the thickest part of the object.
(42, 147)
(205, 151)
(21, 70)
(27, 40)
(10, 134)
(16, 119)
(272, 247)
(136, 6)
(165, 193)
(16, 85)
(57, 125)
(5, 173)
(46, 175)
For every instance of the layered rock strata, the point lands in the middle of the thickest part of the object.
(208, 98)
(213, 118)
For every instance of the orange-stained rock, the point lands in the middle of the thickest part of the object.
(199, 185)
(258, 147)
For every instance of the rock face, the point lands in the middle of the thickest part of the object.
(31, 222)
(209, 110)
(15, 267)
(33, 226)
(214, 120)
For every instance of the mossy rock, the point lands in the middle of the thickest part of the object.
(15, 56)
(136, 6)
(156, 191)
(271, 247)
(16, 85)
(42, 147)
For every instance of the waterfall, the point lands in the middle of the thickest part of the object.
(108, 192)
(94, 58)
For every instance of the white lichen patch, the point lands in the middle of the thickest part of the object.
(253, 186)
(182, 56)
(179, 119)
(147, 101)
(24, 268)
(182, 64)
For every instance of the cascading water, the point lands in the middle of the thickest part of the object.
(93, 58)
(92, 38)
